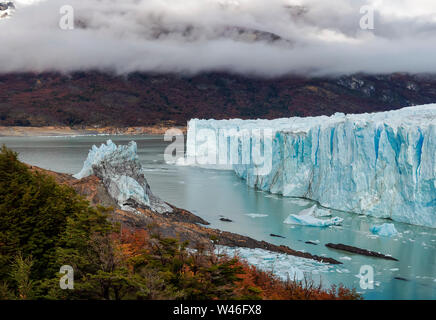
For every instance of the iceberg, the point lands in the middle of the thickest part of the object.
(385, 229)
(123, 176)
(309, 217)
(380, 164)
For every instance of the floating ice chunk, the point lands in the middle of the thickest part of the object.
(385, 229)
(256, 215)
(307, 217)
(316, 212)
(345, 258)
(308, 220)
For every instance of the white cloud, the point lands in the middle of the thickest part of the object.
(265, 37)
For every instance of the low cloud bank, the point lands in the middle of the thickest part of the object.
(260, 37)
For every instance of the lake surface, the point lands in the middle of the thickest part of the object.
(212, 194)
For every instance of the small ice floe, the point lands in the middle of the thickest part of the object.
(385, 230)
(342, 270)
(346, 258)
(308, 217)
(256, 215)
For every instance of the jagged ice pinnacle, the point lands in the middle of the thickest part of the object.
(121, 173)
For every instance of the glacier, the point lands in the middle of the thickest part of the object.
(122, 175)
(379, 164)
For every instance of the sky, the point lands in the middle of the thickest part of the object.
(255, 37)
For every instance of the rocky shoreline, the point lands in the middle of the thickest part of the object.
(18, 131)
(180, 224)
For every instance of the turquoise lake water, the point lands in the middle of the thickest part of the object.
(212, 194)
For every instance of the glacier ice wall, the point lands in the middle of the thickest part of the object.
(381, 164)
(121, 173)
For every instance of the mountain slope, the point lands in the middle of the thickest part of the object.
(96, 99)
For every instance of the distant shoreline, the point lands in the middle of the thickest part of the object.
(69, 131)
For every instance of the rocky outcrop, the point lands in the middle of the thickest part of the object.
(119, 169)
(180, 224)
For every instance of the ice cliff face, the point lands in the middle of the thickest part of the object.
(380, 164)
(121, 173)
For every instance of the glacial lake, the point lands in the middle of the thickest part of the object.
(212, 194)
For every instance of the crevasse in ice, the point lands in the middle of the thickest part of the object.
(381, 164)
(121, 173)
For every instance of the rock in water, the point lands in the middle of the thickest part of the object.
(360, 251)
(121, 173)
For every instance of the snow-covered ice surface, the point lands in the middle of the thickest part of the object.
(283, 265)
(123, 176)
(385, 230)
(381, 164)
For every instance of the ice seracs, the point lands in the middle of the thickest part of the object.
(381, 164)
(121, 173)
